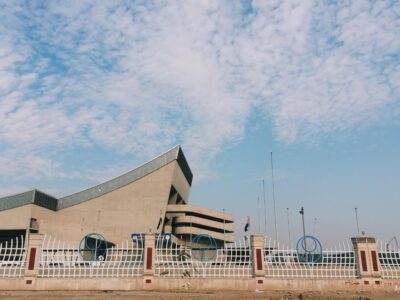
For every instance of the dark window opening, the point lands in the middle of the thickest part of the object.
(202, 227)
(12, 235)
(174, 197)
(207, 217)
(12, 241)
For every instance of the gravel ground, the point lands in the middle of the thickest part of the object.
(187, 295)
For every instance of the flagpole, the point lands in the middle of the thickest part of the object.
(273, 198)
(265, 210)
(258, 214)
(223, 211)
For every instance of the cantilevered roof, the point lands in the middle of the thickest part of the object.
(113, 184)
(47, 201)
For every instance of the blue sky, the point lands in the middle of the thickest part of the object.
(89, 90)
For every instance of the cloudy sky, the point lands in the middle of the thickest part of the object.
(89, 90)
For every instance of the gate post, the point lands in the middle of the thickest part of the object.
(149, 257)
(257, 256)
(366, 256)
(34, 248)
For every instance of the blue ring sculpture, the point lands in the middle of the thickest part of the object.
(84, 246)
(312, 255)
(211, 243)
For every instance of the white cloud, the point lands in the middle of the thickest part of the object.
(142, 77)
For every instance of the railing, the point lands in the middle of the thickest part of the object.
(58, 259)
(389, 259)
(335, 263)
(173, 260)
(13, 258)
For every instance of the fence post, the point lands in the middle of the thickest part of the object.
(34, 248)
(366, 257)
(149, 257)
(257, 256)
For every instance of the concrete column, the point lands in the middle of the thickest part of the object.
(257, 256)
(149, 257)
(33, 255)
(366, 256)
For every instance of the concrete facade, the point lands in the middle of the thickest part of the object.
(131, 203)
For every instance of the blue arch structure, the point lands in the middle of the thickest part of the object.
(98, 250)
(308, 254)
(210, 245)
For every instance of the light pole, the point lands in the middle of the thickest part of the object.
(304, 229)
(288, 225)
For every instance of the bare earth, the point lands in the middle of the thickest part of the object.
(178, 295)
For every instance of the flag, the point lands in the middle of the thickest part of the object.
(160, 221)
(302, 211)
(246, 227)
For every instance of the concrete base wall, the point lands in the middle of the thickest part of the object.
(197, 284)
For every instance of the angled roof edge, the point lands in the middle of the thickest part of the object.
(47, 201)
(34, 196)
(16, 200)
(160, 161)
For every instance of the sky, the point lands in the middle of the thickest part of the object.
(92, 89)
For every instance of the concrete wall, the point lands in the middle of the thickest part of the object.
(152, 282)
(134, 208)
(200, 284)
(16, 218)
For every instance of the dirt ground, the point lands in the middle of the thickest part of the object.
(187, 295)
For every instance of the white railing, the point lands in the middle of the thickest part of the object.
(13, 258)
(58, 259)
(389, 259)
(173, 260)
(281, 262)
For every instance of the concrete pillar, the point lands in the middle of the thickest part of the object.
(32, 258)
(149, 258)
(366, 256)
(257, 256)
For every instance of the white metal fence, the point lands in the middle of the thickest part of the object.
(389, 259)
(281, 262)
(58, 259)
(173, 260)
(13, 258)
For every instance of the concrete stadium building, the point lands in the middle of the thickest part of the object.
(132, 203)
